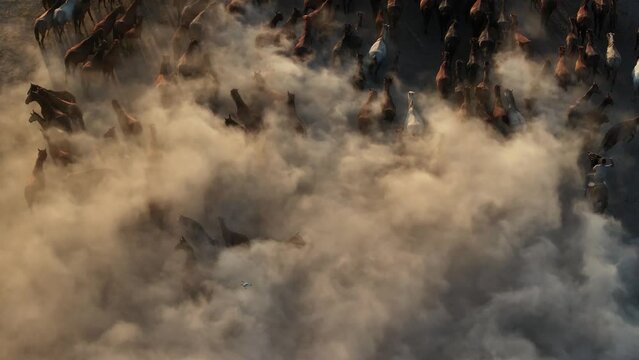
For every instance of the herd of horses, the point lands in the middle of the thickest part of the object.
(464, 81)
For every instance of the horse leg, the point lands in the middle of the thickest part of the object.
(91, 16)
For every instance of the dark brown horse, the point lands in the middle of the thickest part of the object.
(127, 21)
(80, 52)
(108, 22)
(36, 184)
(427, 7)
(388, 106)
(51, 116)
(294, 119)
(82, 8)
(561, 69)
(129, 125)
(251, 121)
(365, 117)
(443, 79)
(600, 9)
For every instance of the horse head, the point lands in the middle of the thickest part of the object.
(33, 90)
(42, 154)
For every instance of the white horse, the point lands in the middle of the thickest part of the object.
(63, 15)
(635, 78)
(378, 51)
(515, 118)
(613, 58)
(414, 124)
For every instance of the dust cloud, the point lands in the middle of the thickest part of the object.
(456, 245)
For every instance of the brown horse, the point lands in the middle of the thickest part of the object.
(592, 56)
(547, 8)
(251, 121)
(561, 70)
(443, 78)
(499, 115)
(583, 20)
(108, 22)
(230, 237)
(36, 184)
(622, 131)
(294, 119)
(127, 21)
(80, 11)
(482, 90)
(80, 52)
(444, 15)
(472, 66)
(349, 45)
(388, 106)
(600, 9)
(572, 38)
(359, 78)
(487, 42)
(365, 116)
(303, 45)
(68, 107)
(129, 125)
(50, 115)
(451, 40)
(42, 25)
(581, 68)
(190, 11)
(427, 7)
(478, 16)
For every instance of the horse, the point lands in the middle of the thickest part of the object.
(426, 7)
(165, 75)
(127, 21)
(444, 15)
(50, 115)
(597, 195)
(67, 107)
(63, 15)
(516, 120)
(111, 2)
(42, 25)
(378, 52)
(129, 125)
(294, 119)
(487, 42)
(79, 13)
(191, 11)
(622, 131)
(36, 184)
(302, 47)
(458, 91)
(600, 9)
(35, 117)
(230, 237)
(561, 70)
(482, 90)
(451, 40)
(572, 37)
(388, 106)
(582, 107)
(251, 121)
(635, 78)
(394, 9)
(520, 39)
(581, 68)
(546, 9)
(109, 20)
(478, 16)
(359, 77)
(443, 78)
(365, 114)
(80, 52)
(349, 44)
(499, 116)
(583, 20)
(414, 124)
(472, 65)
(592, 56)
(613, 59)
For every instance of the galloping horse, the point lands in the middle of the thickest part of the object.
(378, 52)
(63, 15)
(50, 115)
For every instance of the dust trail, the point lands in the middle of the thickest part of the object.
(457, 245)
